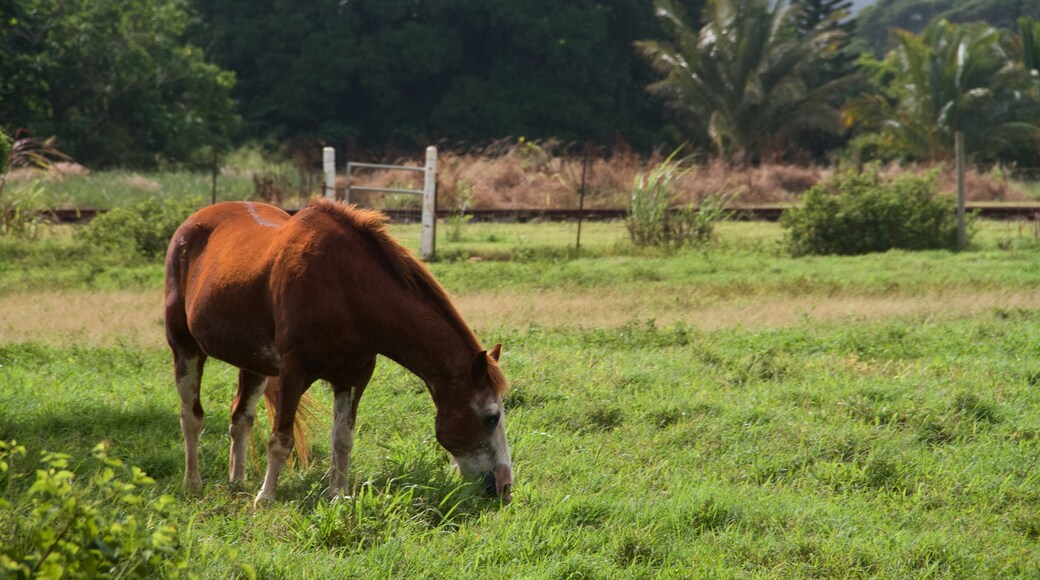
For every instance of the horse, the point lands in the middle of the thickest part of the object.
(318, 295)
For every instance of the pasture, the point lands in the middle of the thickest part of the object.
(724, 411)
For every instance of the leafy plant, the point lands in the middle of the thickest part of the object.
(105, 526)
(740, 81)
(859, 212)
(142, 229)
(653, 222)
(948, 78)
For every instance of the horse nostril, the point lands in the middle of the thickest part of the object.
(489, 484)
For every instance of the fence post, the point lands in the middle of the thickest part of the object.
(958, 146)
(428, 239)
(329, 166)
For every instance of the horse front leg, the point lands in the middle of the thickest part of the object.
(187, 368)
(243, 413)
(292, 385)
(347, 395)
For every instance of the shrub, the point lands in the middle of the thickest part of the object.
(861, 212)
(648, 207)
(653, 222)
(143, 229)
(104, 526)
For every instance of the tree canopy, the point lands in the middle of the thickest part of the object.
(140, 83)
(743, 79)
(401, 73)
(114, 79)
(946, 79)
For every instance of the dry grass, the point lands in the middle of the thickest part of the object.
(56, 171)
(135, 318)
(86, 318)
(612, 309)
(545, 175)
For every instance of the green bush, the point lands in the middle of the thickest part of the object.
(66, 525)
(861, 212)
(653, 222)
(142, 229)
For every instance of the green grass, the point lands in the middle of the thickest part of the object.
(893, 447)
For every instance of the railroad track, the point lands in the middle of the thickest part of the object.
(769, 213)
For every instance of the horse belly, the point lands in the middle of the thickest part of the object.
(241, 337)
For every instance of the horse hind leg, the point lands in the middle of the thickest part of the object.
(188, 375)
(243, 413)
(347, 394)
(291, 386)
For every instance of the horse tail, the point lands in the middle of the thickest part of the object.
(306, 414)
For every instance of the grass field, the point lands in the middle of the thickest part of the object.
(722, 412)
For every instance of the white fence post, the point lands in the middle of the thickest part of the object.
(329, 165)
(427, 243)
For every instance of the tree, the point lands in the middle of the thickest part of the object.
(836, 62)
(740, 81)
(948, 78)
(400, 73)
(113, 80)
(1026, 46)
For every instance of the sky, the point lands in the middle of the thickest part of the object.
(858, 5)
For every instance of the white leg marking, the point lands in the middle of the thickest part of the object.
(191, 425)
(240, 434)
(277, 455)
(342, 442)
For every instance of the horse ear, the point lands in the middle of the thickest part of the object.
(480, 365)
(496, 352)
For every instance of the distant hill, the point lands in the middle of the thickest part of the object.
(858, 5)
(877, 17)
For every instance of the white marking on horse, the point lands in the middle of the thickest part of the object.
(342, 441)
(251, 208)
(240, 431)
(191, 425)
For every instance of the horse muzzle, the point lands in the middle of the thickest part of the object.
(499, 482)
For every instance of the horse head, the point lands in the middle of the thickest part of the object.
(471, 425)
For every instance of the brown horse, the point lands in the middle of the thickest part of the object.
(317, 296)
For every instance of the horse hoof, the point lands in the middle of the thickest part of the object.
(193, 487)
(262, 501)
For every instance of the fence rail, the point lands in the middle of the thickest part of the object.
(1029, 212)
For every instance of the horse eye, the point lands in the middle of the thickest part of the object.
(491, 420)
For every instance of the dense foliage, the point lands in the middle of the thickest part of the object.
(69, 526)
(859, 213)
(145, 84)
(950, 78)
(114, 80)
(742, 81)
(403, 73)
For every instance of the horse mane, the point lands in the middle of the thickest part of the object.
(399, 262)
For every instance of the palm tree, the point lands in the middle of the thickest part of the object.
(1029, 30)
(740, 80)
(950, 78)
